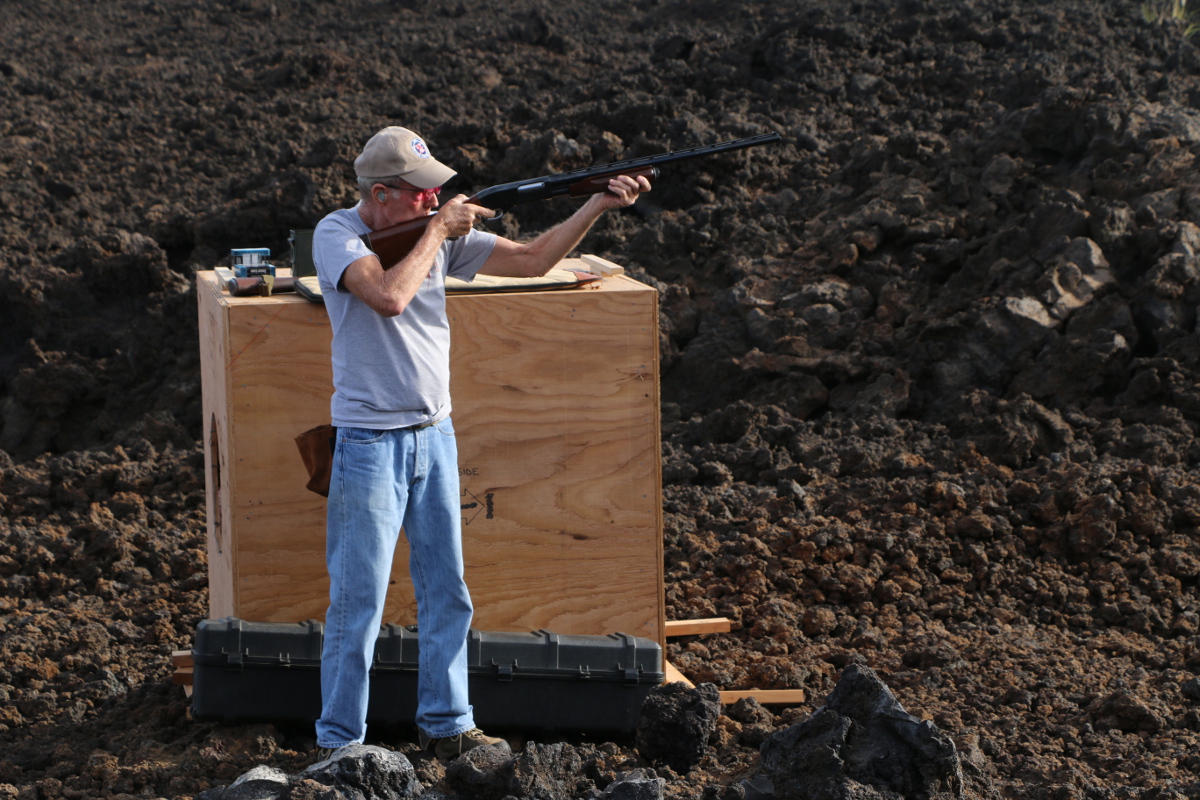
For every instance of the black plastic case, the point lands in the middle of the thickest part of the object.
(532, 682)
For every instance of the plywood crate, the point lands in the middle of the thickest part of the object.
(556, 407)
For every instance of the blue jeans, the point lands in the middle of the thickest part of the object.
(383, 479)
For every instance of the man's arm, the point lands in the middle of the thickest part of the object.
(512, 260)
(388, 292)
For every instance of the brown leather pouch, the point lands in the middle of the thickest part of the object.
(316, 449)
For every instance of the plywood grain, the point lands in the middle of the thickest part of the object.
(214, 356)
(556, 408)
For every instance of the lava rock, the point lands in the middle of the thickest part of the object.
(354, 772)
(676, 723)
(548, 772)
(638, 784)
(862, 743)
(478, 772)
(539, 772)
(261, 783)
(367, 772)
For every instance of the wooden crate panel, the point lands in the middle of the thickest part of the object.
(556, 409)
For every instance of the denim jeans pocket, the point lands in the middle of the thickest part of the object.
(360, 435)
(444, 426)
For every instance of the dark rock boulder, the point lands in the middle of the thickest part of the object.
(676, 723)
(539, 772)
(355, 772)
(638, 784)
(365, 772)
(261, 783)
(548, 772)
(862, 744)
(478, 772)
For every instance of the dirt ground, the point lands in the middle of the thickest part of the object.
(930, 364)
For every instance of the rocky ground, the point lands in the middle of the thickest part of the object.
(930, 365)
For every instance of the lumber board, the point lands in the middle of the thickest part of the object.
(181, 658)
(768, 697)
(556, 410)
(214, 392)
(182, 676)
(673, 675)
(788, 697)
(690, 627)
(601, 266)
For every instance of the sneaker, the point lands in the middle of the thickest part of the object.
(452, 746)
(325, 753)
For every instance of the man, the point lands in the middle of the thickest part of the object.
(396, 463)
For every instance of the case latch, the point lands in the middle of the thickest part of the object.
(633, 675)
(633, 672)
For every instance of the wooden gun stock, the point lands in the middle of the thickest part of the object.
(599, 183)
(394, 243)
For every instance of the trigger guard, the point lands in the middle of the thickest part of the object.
(495, 218)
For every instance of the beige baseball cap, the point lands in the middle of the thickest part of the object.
(399, 151)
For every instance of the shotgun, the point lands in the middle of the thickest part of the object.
(394, 243)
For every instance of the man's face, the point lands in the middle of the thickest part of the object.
(403, 202)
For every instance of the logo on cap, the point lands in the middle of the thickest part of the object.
(419, 148)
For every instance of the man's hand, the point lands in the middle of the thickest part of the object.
(457, 216)
(622, 191)
(388, 292)
(536, 258)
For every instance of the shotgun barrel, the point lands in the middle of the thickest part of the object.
(592, 180)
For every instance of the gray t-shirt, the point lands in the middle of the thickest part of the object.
(389, 372)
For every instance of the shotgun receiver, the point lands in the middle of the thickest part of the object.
(394, 243)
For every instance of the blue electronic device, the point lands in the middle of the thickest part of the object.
(249, 262)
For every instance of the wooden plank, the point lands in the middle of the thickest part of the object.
(556, 409)
(768, 697)
(690, 627)
(601, 266)
(673, 675)
(728, 697)
(181, 658)
(182, 676)
(214, 394)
